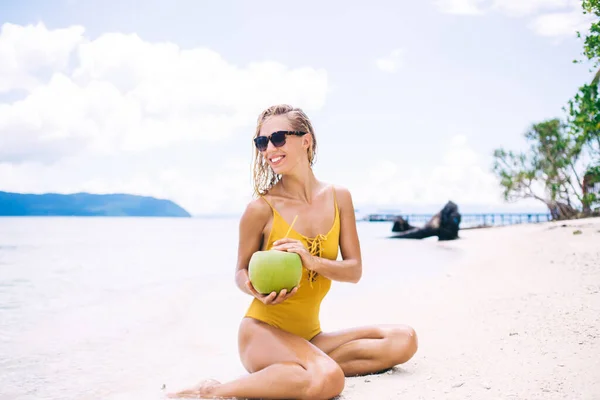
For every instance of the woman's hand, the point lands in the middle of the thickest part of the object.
(271, 298)
(296, 246)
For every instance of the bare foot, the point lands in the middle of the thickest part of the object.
(199, 391)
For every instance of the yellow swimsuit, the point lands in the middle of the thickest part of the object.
(300, 313)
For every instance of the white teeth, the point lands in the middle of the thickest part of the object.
(276, 159)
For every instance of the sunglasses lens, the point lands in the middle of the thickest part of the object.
(278, 139)
(261, 143)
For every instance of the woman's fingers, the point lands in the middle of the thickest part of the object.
(285, 241)
(283, 295)
(273, 297)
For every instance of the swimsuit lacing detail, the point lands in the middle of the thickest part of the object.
(315, 248)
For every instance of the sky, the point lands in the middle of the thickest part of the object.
(408, 99)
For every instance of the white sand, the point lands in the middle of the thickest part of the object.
(510, 313)
(517, 318)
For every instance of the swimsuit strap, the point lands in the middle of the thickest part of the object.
(277, 212)
(268, 202)
(334, 197)
(315, 244)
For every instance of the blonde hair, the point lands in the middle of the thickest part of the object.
(264, 178)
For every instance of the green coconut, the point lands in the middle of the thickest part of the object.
(274, 270)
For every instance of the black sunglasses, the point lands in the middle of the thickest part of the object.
(277, 138)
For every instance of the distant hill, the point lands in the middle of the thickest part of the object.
(88, 205)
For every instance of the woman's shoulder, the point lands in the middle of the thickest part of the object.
(257, 212)
(343, 195)
(340, 190)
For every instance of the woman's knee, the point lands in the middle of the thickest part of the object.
(326, 381)
(403, 342)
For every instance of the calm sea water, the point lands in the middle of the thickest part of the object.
(113, 308)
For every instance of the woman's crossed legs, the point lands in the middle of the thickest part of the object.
(285, 366)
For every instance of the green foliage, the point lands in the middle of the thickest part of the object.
(561, 153)
(584, 108)
(556, 154)
(591, 44)
(547, 171)
(584, 118)
(517, 173)
(594, 173)
(593, 177)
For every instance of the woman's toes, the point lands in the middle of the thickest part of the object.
(203, 388)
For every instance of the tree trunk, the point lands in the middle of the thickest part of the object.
(445, 225)
(560, 211)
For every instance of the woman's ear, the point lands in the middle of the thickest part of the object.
(307, 141)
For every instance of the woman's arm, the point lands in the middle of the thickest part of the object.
(350, 268)
(251, 228)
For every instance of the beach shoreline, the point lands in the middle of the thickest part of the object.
(515, 318)
(509, 312)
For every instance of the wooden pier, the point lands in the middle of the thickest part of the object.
(468, 220)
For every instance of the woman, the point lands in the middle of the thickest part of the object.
(280, 339)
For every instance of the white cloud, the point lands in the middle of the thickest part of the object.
(461, 176)
(79, 109)
(461, 7)
(391, 62)
(125, 94)
(225, 188)
(552, 18)
(560, 24)
(26, 51)
(515, 8)
(520, 8)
